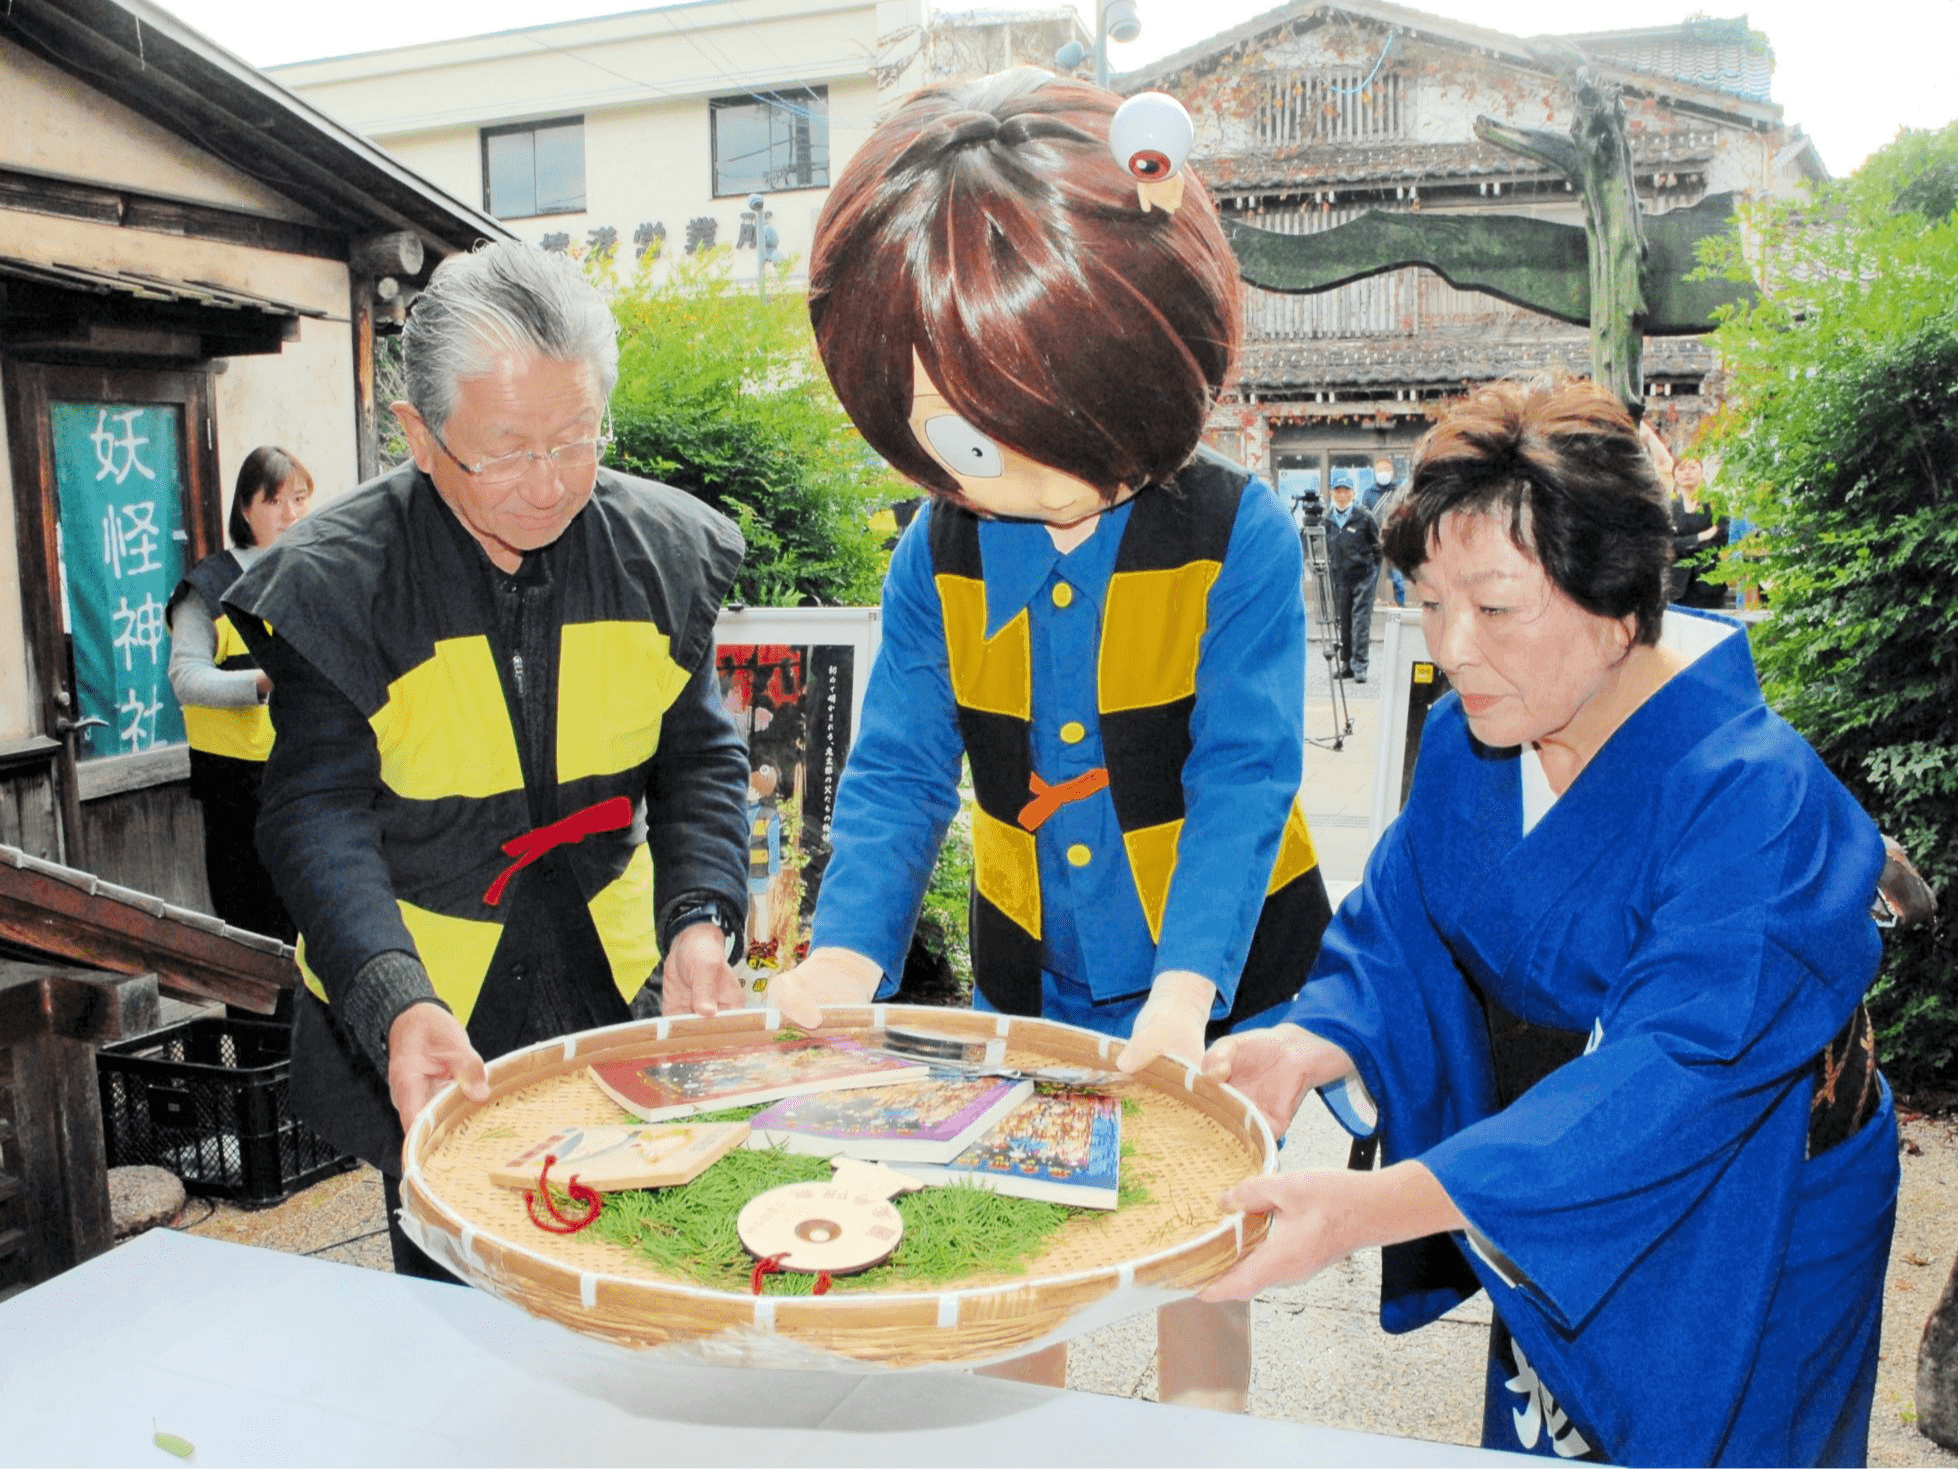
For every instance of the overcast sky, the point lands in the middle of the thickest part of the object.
(1849, 74)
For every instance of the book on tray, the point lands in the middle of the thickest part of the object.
(610, 1157)
(928, 1121)
(680, 1083)
(1060, 1145)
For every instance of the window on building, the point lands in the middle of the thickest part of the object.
(772, 140)
(1297, 107)
(534, 168)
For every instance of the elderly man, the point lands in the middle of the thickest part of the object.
(503, 782)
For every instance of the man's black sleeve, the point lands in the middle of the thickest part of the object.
(697, 802)
(317, 832)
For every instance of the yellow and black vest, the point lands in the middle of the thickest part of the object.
(234, 734)
(639, 576)
(1153, 621)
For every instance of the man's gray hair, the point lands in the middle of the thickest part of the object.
(503, 300)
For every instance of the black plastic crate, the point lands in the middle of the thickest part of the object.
(206, 1099)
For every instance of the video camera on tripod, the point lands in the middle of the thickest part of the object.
(1309, 510)
(1308, 507)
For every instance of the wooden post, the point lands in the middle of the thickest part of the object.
(376, 268)
(54, 1192)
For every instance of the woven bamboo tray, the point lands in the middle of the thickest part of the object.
(1192, 1139)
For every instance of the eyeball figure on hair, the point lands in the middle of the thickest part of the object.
(1150, 136)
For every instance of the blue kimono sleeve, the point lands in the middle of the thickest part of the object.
(1247, 748)
(1752, 951)
(1386, 991)
(900, 786)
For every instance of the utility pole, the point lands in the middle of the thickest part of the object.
(1115, 20)
(766, 239)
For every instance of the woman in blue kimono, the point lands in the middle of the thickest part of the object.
(1600, 995)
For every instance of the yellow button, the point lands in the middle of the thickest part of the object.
(1072, 733)
(1079, 855)
(1063, 594)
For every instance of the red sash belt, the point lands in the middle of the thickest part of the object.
(1047, 799)
(608, 815)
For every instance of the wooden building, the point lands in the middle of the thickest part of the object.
(1310, 114)
(193, 262)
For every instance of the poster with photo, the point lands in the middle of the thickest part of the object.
(792, 679)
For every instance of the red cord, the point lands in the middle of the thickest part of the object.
(580, 1194)
(772, 1264)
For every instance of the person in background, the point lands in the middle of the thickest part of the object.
(503, 784)
(1353, 559)
(1697, 536)
(1600, 996)
(1379, 502)
(223, 692)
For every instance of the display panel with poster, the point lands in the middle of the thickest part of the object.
(793, 680)
(1410, 683)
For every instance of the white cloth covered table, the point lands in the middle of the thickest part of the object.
(263, 1358)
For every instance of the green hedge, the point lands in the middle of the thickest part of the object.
(1841, 430)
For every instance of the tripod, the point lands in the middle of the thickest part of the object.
(1318, 571)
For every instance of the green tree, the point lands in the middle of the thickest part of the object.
(721, 394)
(1841, 432)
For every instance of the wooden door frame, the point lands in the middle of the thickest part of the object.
(31, 387)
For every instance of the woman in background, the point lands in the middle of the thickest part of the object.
(1697, 536)
(223, 692)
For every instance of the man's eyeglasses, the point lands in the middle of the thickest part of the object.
(507, 469)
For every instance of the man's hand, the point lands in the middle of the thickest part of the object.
(827, 976)
(698, 979)
(428, 1048)
(1275, 1068)
(1323, 1215)
(1171, 1021)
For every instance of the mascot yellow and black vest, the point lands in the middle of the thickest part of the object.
(218, 735)
(639, 576)
(1153, 621)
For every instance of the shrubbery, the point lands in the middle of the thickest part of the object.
(720, 393)
(1842, 427)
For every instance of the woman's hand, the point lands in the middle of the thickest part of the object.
(1324, 1215)
(1275, 1068)
(826, 976)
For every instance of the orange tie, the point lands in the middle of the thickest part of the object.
(1047, 799)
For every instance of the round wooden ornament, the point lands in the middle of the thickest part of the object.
(834, 1228)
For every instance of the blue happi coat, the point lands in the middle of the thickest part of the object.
(1684, 1283)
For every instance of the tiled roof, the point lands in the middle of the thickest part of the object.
(1310, 165)
(1431, 361)
(1720, 55)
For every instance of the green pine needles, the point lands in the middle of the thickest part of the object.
(951, 1232)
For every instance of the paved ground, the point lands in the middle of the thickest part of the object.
(1321, 1357)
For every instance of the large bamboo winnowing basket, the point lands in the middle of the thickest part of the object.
(1192, 1138)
